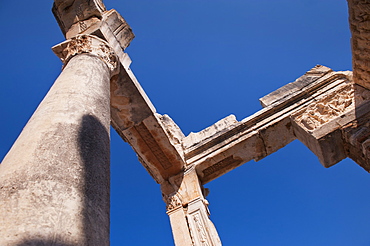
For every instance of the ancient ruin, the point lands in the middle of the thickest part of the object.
(326, 110)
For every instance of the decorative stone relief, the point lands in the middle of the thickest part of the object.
(173, 132)
(323, 110)
(87, 44)
(333, 105)
(173, 201)
(200, 229)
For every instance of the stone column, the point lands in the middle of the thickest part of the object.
(54, 182)
(188, 211)
(359, 21)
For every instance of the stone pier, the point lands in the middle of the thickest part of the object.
(54, 182)
(188, 211)
(359, 23)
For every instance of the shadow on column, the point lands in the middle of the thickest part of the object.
(92, 142)
(43, 242)
(357, 133)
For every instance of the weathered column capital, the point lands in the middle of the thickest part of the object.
(173, 202)
(88, 44)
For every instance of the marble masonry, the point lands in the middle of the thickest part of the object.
(57, 192)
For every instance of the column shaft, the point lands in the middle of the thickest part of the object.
(54, 182)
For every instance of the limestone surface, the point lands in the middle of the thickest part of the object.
(359, 21)
(54, 182)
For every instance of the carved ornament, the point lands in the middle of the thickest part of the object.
(173, 201)
(200, 230)
(333, 105)
(87, 44)
(330, 107)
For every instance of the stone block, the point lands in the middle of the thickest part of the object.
(112, 27)
(283, 92)
(360, 29)
(319, 125)
(224, 160)
(209, 132)
(278, 134)
(77, 14)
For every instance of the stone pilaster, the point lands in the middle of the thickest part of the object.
(188, 211)
(180, 227)
(54, 182)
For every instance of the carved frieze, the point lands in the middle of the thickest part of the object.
(200, 229)
(331, 106)
(325, 109)
(87, 44)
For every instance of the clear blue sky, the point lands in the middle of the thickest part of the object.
(200, 61)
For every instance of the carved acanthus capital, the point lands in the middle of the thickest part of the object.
(173, 201)
(87, 44)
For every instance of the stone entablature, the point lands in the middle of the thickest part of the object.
(159, 142)
(311, 109)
